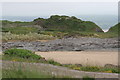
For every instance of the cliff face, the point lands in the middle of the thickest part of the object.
(66, 23)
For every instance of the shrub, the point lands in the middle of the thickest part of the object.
(88, 78)
(54, 62)
(110, 70)
(90, 68)
(21, 53)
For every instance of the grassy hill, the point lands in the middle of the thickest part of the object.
(66, 24)
(115, 29)
(54, 27)
(54, 23)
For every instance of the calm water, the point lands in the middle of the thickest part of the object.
(103, 21)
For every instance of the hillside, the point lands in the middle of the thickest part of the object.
(66, 23)
(115, 29)
(54, 23)
(51, 28)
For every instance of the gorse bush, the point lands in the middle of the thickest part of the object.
(21, 53)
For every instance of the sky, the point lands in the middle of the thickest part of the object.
(60, 8)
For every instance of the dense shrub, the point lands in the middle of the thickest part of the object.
(21, 53)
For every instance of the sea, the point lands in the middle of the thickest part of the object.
(103, 21)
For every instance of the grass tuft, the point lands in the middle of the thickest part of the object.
(26, 37)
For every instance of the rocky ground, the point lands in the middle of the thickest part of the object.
(68, 44)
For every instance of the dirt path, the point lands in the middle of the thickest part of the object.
(82, 57)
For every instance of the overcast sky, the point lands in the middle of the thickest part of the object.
(61, 8)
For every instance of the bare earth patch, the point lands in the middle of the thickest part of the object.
(94, 58)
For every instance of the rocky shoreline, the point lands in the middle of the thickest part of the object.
(68, 44)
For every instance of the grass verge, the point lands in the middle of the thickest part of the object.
(94, 68)
(21, 55)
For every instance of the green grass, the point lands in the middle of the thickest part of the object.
(22, 55)
(23, 70)
(30, 60)
(88, 78)
(20, 30)
(13, 73)
(66, 23)
(83, 68)
(50, 61)
(57, 26)
(51, 35)
(94, 69)
(14, 70)
(115, 29)
(19, 59)
(78, 34)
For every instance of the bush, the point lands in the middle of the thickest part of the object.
(90, 68)
(21, 53)
(88, 78)
(110, 70)
(53, 62)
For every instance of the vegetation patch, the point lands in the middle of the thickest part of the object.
(25, 37)
(20, 73)
(20, 30)
(88, 78)
(94, 68)
(53, 62)
(66, 23)
(115, 29)
(54, 27)
(22, 53)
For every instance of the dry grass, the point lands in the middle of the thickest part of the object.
(29, 37)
